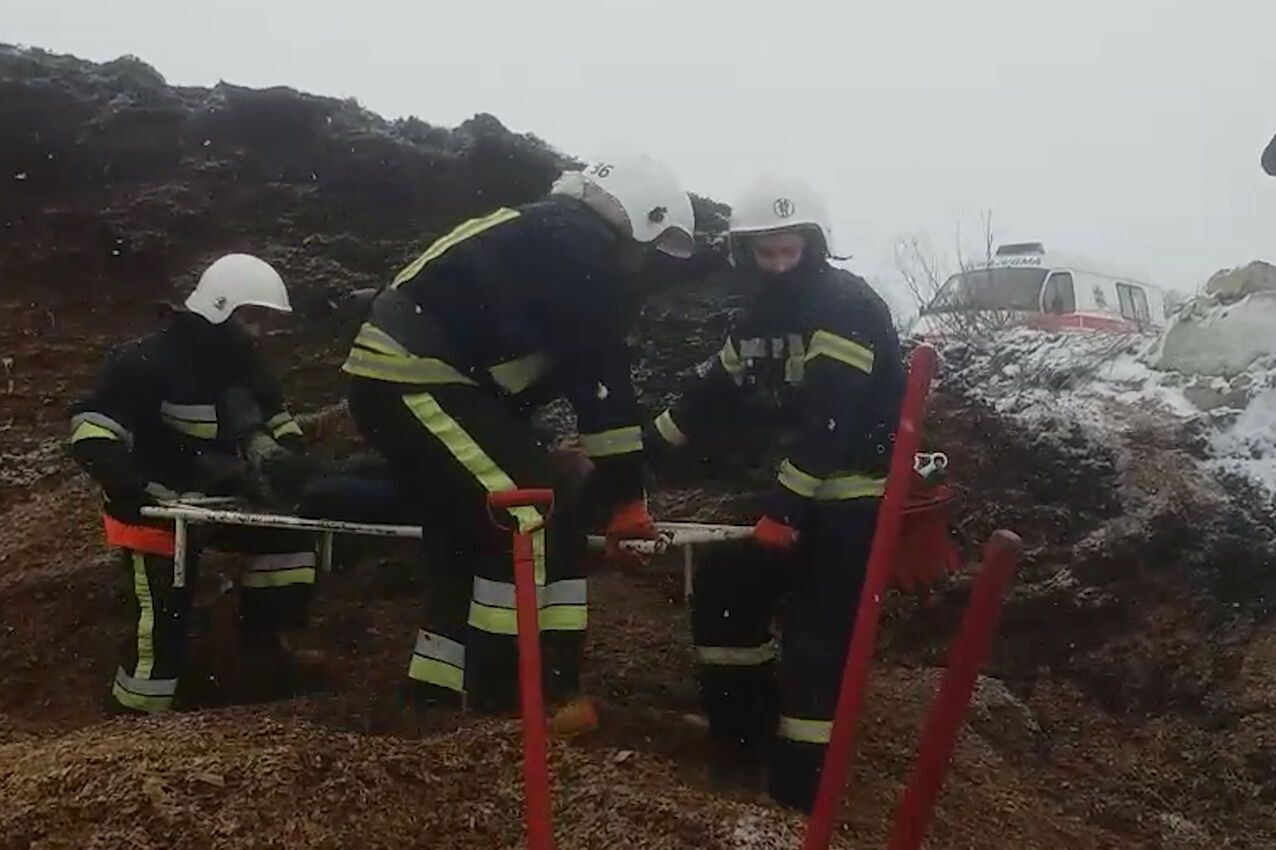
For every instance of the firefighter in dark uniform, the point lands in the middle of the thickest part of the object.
(813, 362)
(190, 411)
(505, 312)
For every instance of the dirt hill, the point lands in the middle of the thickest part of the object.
(1129, 703)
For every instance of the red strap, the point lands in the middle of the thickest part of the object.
(140, 538)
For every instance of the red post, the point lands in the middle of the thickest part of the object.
(819, 828)
(540, 832)
(966, 656)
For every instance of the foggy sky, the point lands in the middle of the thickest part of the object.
(1118, 129)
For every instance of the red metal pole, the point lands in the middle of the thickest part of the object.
(819, 828)
(966, 656)
(540, 832)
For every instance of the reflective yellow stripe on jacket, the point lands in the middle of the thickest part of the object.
(441, 246)
(377, 355)
(669, 431)
(831, 489)
(848, 351)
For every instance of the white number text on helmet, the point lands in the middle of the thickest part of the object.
(640, 197)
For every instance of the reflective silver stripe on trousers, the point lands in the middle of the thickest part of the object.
(736, 656)
(498, 594)
(285, 561)
(430, 645)
(189, 412)
(103, 421)
(145, 687)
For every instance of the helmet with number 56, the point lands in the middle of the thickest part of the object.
(638, 196)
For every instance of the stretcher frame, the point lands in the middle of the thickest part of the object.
(682, 535)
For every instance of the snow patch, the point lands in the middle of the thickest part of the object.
(1248, 446)
(1108, 387)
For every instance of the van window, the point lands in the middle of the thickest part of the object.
(1134, 303)
(990, 289)
(1059, 296)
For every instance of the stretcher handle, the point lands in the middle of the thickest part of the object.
(541, 498)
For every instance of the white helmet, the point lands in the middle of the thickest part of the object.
(237, 280)
(640, 197)
(775, 204)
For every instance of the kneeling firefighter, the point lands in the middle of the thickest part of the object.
(506, 312)
(814, 364)
(189, 410)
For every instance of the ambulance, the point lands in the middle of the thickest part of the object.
(1024, 284)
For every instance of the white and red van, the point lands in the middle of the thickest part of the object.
(1025, 285)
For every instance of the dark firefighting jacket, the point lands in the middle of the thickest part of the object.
(814, 356)
(529, 303)
(159, 423)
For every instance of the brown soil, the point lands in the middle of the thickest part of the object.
(1130, 702)
(1049, 767)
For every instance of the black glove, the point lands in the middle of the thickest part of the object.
(127, 507)
(241, 413)
(221, 474)
(287, 473)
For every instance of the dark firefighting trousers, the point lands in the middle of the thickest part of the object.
(274, 594)
(450, 447)
(757, 694)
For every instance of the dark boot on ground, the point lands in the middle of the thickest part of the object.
(276, 666)
(795, 774)
(737, 766)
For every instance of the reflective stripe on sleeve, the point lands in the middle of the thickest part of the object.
(283, 425)
(669, 430)
(92, 426)
(730, 359)
(617, 441)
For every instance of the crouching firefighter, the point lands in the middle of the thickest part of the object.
(813, 365)
(190, 411)
(506, 312)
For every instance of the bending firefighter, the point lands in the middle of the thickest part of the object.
(189, 411)
(502, 314)
(814, 364)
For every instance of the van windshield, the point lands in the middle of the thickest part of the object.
(990, 289)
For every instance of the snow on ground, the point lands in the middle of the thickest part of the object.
(1248, 445)
(1102, 385)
